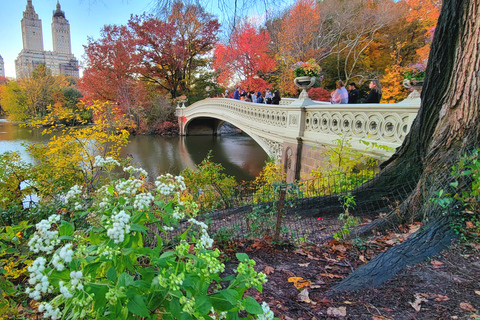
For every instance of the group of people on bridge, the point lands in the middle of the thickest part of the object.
(341, 95)
(251, 96)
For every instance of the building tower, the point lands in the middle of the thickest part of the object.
(61, 32)
(2, 67)
(60, 60)
(31, 29)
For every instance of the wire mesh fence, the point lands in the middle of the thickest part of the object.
(311, 207)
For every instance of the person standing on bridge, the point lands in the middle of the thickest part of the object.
(353, 94)
(375, 94)
(276, 97)
(236, 94)
(259, 97)
(268, 96)
(340, 95)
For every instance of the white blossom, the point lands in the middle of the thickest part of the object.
(119, 227)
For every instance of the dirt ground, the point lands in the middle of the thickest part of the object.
(300, 278)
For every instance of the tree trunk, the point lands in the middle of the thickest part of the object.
(446, 126)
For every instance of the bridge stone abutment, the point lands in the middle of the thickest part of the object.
(298, 131)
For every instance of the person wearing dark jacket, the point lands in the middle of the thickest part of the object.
(353, 94)
(276, 97)
(375, 94)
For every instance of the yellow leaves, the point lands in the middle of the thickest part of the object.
(299, 282)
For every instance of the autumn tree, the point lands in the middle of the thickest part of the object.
(245, 58)
(112, 67)
(39, 89)
(294, 33)
(349, 28)
(172, 50)
(447, 126)
(14, 101)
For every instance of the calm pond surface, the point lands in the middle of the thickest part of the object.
(240, 155)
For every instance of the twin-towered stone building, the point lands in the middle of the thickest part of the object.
(60, 60)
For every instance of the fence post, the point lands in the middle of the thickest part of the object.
(280, 209)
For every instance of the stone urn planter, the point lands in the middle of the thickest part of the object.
(304, 83)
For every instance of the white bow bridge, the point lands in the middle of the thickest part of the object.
(297, 131)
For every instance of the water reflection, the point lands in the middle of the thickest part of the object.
(241, 156)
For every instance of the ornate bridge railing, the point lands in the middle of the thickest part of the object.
(291, 130)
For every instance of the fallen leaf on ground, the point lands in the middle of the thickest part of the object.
(337, 312)
(268, 270)
(341, 248)
(304, 264)
(441, 298)
(477, 292)
(331, 275)
(303, 297)
(299, 282)
(362, 258)
(418, 301)
(467, 306)
(436, 263)
(469, 224)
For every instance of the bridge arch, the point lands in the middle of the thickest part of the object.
(212, 127)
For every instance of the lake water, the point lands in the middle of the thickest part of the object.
(240, 155)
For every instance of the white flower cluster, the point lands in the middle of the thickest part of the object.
(119, 227)
(64, 255)
(37, 280)
(129, 186)
(267, 313)
(168, 184)
(49, 311)
(43, 239)
(177, 214)
(72, 193)
(73, 285)
(143, 200)
(133, 170)
(205, 241)
(102, 162)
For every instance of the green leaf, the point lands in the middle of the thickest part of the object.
(242, 257)
(252, 306)
(66, 238)
(125, 280)
(203, 304)
(94, 238)
(137, 306)
(231, 295)
(136, 227)
(110, 190)
(232, 316)
(112, 274)
(66, 228)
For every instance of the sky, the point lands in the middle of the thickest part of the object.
(86, 20)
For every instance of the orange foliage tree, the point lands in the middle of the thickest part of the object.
(296, 41)
(245, 57)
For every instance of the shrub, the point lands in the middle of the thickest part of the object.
(319, 94)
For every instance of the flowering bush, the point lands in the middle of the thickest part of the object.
(309, 68)
(415, 73)
(118, 268)
(179, 99)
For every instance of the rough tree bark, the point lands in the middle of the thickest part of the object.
(446, 126)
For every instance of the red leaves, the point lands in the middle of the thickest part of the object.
(245, 56)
